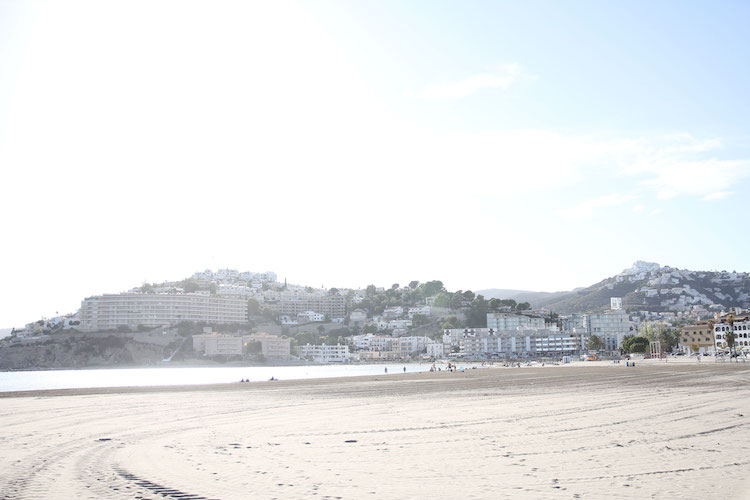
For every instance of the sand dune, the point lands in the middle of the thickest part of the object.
(655, 431)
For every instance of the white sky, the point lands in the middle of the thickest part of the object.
(142, 141)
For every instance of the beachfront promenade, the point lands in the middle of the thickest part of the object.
(659, 430)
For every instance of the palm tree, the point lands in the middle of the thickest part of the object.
(730, 336)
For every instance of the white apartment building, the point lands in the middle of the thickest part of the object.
(371, 342)
(324, 353)
(107, 312)
(407, 346)
(236, 291)
(610, 326)
(310, 316)
(509, 322)
(393, 312)
(435, 349)
(741, 329)
(424, 310)
(484, 342)
(394, 324)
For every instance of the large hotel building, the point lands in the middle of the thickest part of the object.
(107, 312)
(333, 306)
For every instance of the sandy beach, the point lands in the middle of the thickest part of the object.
(668, 431)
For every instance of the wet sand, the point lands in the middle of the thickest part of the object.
(668, 431)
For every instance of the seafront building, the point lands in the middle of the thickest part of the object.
(740, 325)
(325, 353)
(610, 326)
(108, 312)
(480, 343)
(697, 338)
(509, 322)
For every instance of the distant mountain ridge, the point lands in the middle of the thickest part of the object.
(645, 286)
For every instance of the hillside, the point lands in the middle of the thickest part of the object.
(650, 287)
(521, 295)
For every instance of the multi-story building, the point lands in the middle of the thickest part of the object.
(573, 322)
(378, 355)
(435, 349)
(309, 316)
(271, 346)
(484, 342)
(214, 344)
(107, 312)
(236, 290)
(371, 342)
(407, 346)
(393, 312)
(332, 306)
(394, 324)
(358, 317)
(697, 338)
(324, 353)
(423, 310)
(610, 326)
(509, 322)
(740, 325)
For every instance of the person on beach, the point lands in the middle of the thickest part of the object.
(386, 369)
(404, 369)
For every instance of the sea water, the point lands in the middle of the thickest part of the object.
(139, 377)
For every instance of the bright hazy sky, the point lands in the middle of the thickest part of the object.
(529, 145)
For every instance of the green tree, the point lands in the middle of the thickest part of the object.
(508, 303)
(370, 329)
(432, 288)
(494, 304)
(370, 291)
(253, 307)
(469, 295)
(413, 284)
(635, 344)
(333, 291)
(595, 343)
(395, 286)
(476, 316)
(419, 319)
(268, 313)
(449, 322)
(523, 306)
(189, 286)
(658, 331)
(443, 299)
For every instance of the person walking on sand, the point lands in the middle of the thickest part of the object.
(386, 369)
(404, 369)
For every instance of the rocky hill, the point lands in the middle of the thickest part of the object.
(647, 286)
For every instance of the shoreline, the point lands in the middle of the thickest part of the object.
(596, 366)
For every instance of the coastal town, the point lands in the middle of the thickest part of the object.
(232, 316)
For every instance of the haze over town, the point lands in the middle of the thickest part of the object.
(525, 146)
